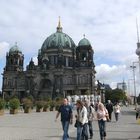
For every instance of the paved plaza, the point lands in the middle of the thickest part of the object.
(41, 126)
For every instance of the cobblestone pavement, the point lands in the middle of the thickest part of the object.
(41, 126)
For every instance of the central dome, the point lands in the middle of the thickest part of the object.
(58, 39)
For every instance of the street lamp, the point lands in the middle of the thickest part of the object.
(138, 45)
(138, 63)
(133, 68)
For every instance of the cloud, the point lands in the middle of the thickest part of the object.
(106, 72)
(35, 60)
(4, 47)
(118, 73)
(111, 74)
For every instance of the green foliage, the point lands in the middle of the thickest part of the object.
(2, 104)
(108, 95)
(58, 103)
(46, 105)
(58, 99)
(31, 98)
(115, 95)
(14, 103)
(52, 105)
(27, 103)
(39, 104)
(48, 99)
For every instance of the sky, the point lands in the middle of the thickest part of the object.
(109, 25)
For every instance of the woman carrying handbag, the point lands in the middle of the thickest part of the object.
(102, 118)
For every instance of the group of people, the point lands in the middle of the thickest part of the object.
(110, 109)
(85, 114)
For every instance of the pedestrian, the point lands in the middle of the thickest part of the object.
(101, 116)
(137, 108)
(82, 121)
(117, 110)
(98, 101)
(91, 116)
(109, 107)
(66, 117)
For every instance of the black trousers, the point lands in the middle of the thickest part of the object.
(137, 114)
(110, 115)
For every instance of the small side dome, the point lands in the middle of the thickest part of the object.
(84, 42)
(15, 49)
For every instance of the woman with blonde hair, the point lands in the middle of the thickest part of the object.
(102, 113)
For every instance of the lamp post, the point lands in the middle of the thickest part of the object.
(138, 62)
(138, 45)
(133, 68)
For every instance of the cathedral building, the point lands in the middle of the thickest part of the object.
(63, 69)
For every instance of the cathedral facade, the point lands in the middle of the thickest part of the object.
(63, 69)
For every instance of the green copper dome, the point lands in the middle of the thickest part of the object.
(58, 39)
(14, 49)
(84, 42)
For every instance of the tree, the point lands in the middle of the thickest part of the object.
(108, 95)
(115, 95)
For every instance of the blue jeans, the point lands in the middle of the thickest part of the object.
(65, 125)
(102, 128)
(79, 132)
(82, 132)
(85, 132)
